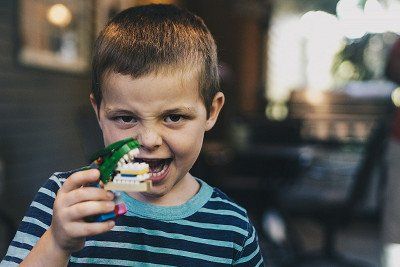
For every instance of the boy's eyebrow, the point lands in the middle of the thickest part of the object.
(117, 110)
(190, 110)
(179, 110)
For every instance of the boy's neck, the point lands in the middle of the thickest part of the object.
(183, 191)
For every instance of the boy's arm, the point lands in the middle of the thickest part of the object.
(52, 245)
(46, 252)
(251, 253)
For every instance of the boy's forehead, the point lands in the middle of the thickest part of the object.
(151, 94)
(181, 75)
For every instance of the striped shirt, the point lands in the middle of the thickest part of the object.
(208, 230)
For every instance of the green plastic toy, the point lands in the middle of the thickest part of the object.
(113, 178)
(106, 160)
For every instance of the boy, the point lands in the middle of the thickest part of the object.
(155, 79)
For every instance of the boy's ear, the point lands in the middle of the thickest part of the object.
(94, 105)
(216, 106)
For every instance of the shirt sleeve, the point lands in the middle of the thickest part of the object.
(251, 253)
(35, 222)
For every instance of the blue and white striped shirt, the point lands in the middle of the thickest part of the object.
(208, 230)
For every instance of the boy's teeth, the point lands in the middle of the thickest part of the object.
(158, 168)
(159, 173)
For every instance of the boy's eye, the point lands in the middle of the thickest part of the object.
(173, 118)
(126, 119)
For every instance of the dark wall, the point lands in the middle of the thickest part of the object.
(38, 110)
(239, 28)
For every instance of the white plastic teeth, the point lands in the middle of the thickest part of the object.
(134, 166)
(119, 179)
(134, 152)
(129, 157)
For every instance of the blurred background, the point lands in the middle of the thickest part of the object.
(307, 141)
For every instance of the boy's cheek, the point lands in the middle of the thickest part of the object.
(111, 135)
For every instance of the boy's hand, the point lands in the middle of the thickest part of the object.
(73, 204)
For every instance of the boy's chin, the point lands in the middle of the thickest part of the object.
(155, 195)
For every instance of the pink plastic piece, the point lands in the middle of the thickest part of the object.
(120, 209)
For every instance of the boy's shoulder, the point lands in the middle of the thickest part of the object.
(225, 205)
(223, 199)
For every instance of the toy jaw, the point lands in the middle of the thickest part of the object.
(130, 176)
(120, 172)
(118, 161)
(132, 172)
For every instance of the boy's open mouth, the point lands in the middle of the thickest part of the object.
(156, 166)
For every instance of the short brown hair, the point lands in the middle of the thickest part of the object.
(155, 38)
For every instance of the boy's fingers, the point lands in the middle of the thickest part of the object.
(85, 194)
(79, 179)
(85, 229)
(89, 208)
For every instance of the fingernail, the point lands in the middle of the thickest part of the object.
(110, 195)
(111, 223)
(110, 205)
(96, 173)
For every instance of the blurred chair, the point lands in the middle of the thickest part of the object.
(311, 201)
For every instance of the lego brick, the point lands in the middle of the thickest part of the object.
(137, 187)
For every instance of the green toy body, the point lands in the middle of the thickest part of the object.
(106, 160)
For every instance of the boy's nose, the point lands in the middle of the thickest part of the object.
(149, 139)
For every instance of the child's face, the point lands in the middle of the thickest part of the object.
(166, 115)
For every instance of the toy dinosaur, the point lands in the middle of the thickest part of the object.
(119, 172)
